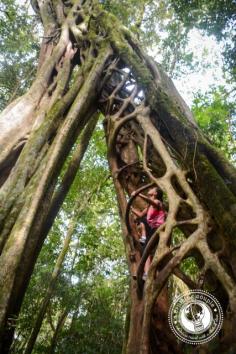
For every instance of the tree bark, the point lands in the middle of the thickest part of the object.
(58, 328)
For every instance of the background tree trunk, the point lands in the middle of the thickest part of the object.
(79, 208)
(58, 328)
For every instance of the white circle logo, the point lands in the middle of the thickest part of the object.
(195, 317)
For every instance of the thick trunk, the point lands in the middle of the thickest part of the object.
(22, 239)
(27, 112)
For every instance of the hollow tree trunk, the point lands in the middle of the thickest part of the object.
(152, 139)
(185, 173)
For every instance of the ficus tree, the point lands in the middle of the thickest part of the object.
(89, 63)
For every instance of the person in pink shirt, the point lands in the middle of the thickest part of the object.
(150, 218)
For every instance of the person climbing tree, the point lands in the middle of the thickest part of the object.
(150, 218)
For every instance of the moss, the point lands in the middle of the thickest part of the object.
(220, 201)
(116, 35)
(120, 39)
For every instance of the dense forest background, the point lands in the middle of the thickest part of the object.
(87, 279)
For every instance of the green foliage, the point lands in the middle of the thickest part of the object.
(188, 265)
(97, 328)
(213, 15)
(159, 30)
(190, 268)
(217, 17)
(19, 49)
(216, 116)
